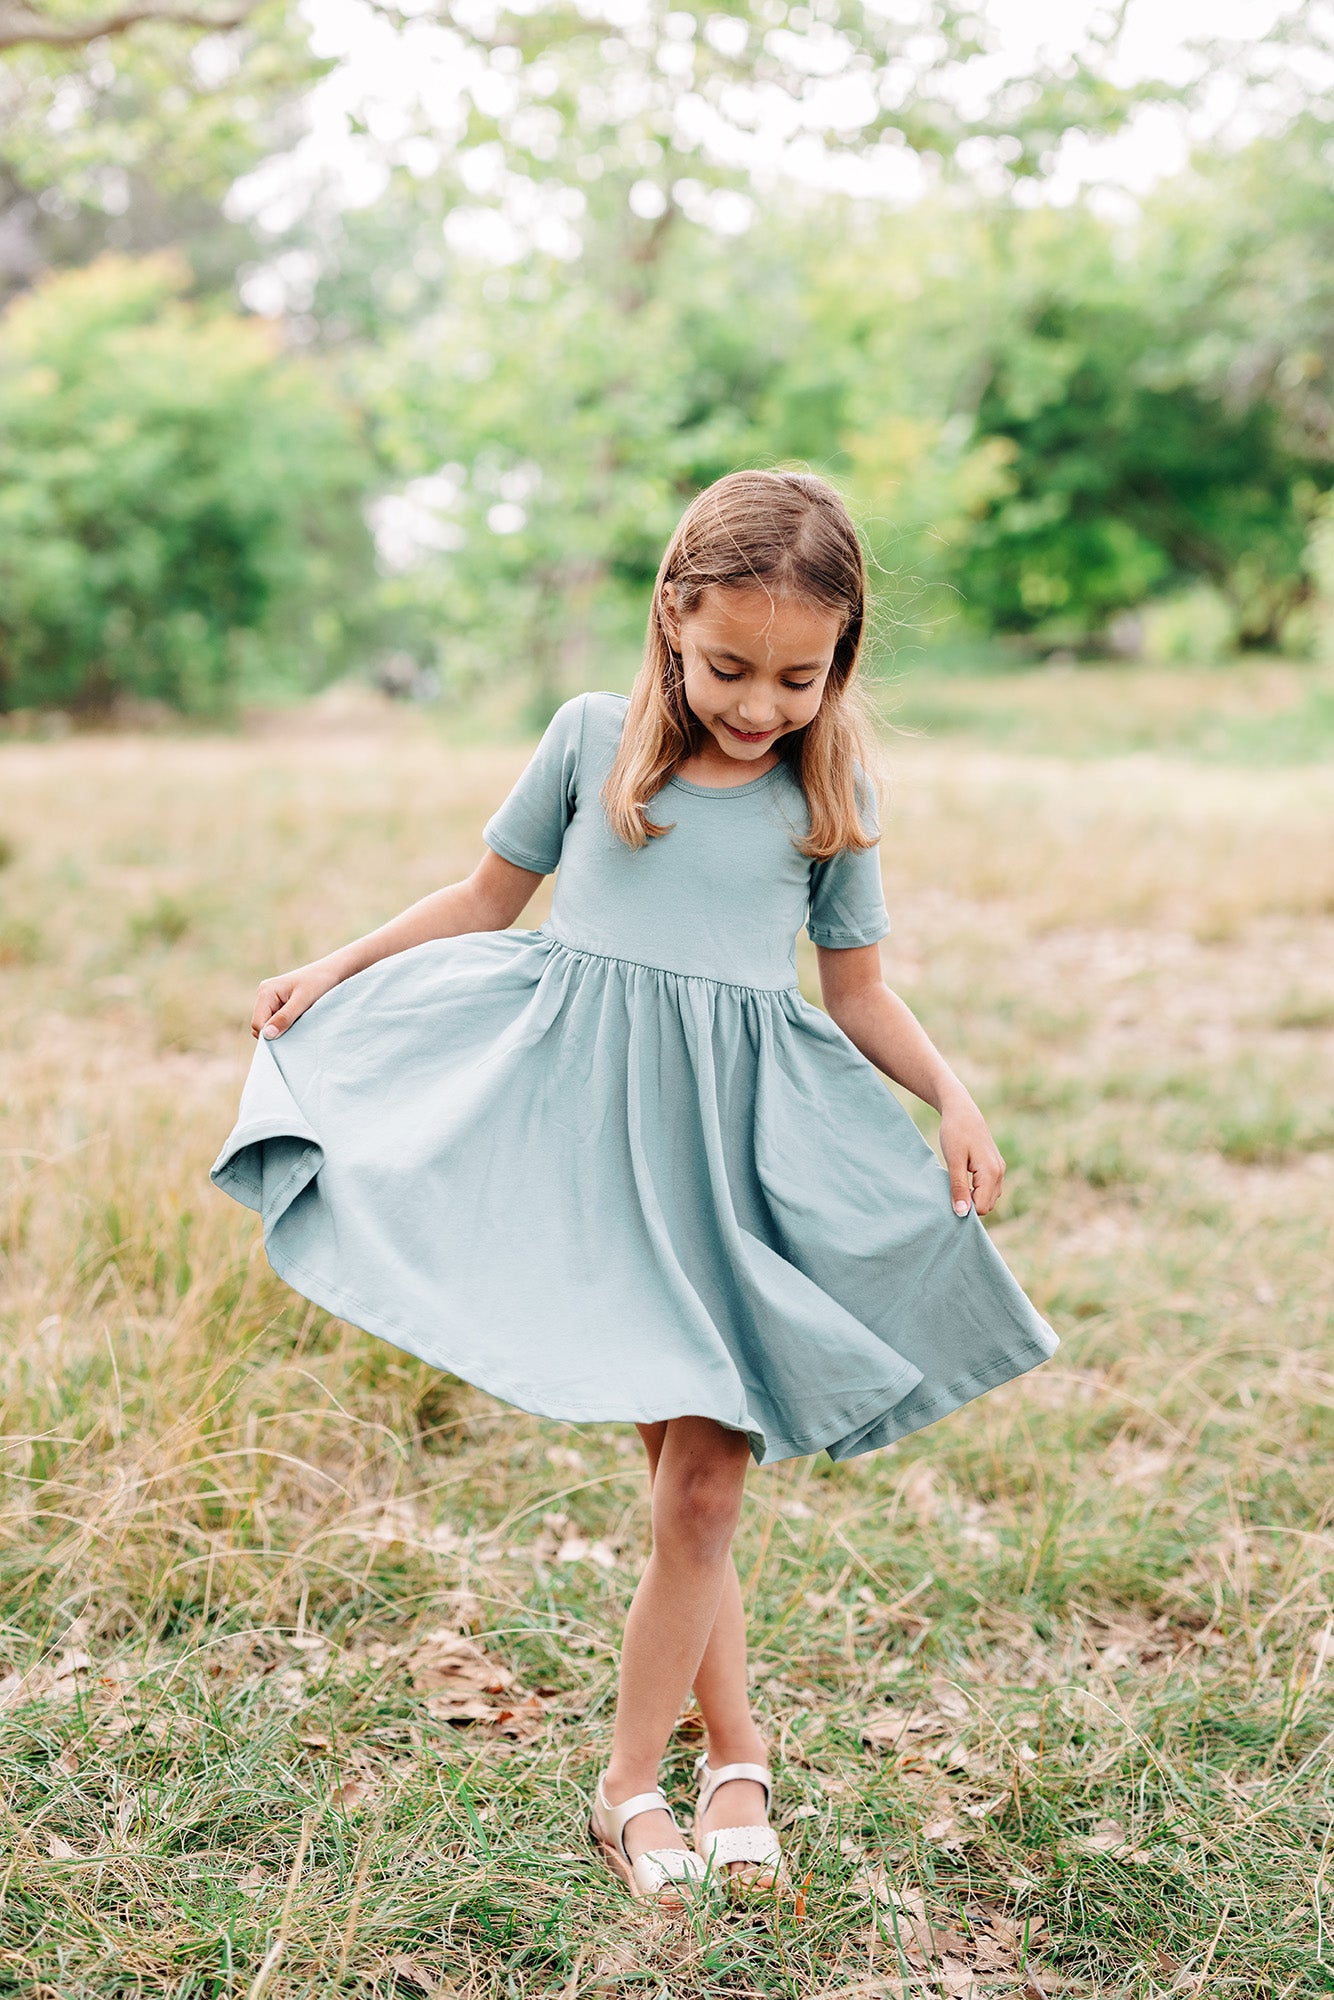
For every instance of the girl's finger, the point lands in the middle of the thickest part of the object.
(282, 1019)
(961, 1187)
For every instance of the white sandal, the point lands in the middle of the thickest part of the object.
(662, 1873)
(756, 1846)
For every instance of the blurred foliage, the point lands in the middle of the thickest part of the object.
(1117, 468)
(1037, 430)
(559, 301)
(179, 504)
(132, 142)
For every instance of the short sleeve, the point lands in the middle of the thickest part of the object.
(529, 828)
(847, 898)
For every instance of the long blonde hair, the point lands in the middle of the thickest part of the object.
(783, 532)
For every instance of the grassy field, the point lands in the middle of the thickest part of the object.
(307, 1654)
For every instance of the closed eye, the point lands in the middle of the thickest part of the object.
(797, 687)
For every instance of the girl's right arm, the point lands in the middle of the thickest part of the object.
(489, 900)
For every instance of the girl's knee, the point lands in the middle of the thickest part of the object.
(695, 1515)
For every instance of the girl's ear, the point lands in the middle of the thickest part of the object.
(670, 613)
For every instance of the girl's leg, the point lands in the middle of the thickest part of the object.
(721, 1689)
(696, 1498)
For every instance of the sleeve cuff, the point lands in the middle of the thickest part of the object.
(537, 864)
(845, 940)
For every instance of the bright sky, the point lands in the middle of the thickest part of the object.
(408, 87)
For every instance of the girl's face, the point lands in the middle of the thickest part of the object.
(755, 665)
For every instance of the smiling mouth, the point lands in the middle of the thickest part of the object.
(747, 735)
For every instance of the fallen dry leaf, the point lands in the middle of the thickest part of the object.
(465, 1680)
(523, 1722)
(1011, 1931)
(981, 1810)
(949, 1700)
(347, 1795)
(415, 1972)
(1105, 1837)
(943, 1830)
(908, 1902)
(546, 1545)
(922, 1942)
(950, 1944)
(60, 1850)
(799, 1900)
(885, 1728)
(111, 1726)
(459, 1708)
(616, 1959)
(1108, 1837)
(445, 1660)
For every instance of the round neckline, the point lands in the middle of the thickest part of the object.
(726, 791)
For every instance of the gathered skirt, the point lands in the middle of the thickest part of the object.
(606, 1192)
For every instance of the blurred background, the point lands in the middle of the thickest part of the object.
(391, 339)
(356, 361)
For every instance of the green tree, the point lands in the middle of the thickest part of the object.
(180, 506)
(124, 127)
(1121, 478)
(601, 328)
(1043, 419)
(544, 443)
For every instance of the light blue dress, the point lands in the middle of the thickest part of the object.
(617, 1167)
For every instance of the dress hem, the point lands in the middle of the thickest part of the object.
(772, 1451)
(964, 1389)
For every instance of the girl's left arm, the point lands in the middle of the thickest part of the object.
(889, 1035)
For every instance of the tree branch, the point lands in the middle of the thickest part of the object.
(20, 23)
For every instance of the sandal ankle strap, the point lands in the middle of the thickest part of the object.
(619, 1817)
(757, 1774)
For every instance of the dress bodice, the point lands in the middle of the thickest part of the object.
(720, 897)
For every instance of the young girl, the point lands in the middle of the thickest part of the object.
(617, 1168)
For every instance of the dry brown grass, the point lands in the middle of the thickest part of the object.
(1048, 1685)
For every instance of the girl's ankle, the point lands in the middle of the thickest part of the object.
(746, 1747)
(617, 1786)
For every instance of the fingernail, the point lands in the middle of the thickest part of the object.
(269, 1033)
(961, 1208)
